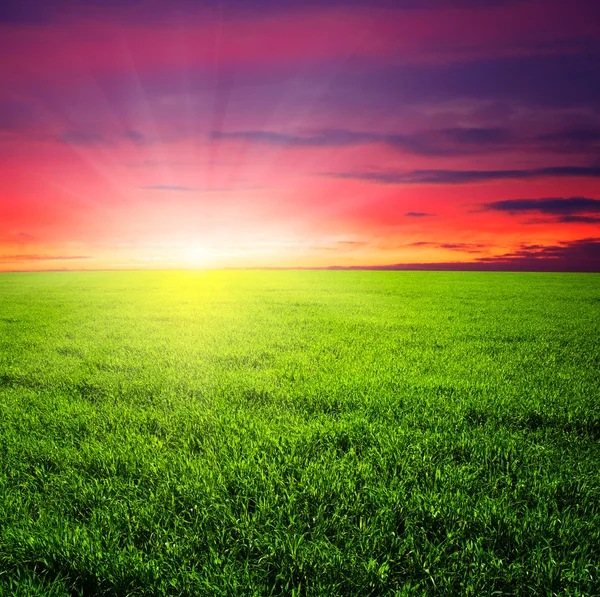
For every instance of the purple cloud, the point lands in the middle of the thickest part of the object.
(556, 206)
(82, 138)
(565, 210)
(42, 11)
(454, 141)
(466, 176)
(581, 255)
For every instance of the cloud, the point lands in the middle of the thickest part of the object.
(555, 206)
(418, 214)
(456, 141)
(43, 11)
(135, 137)
(581, 255)
(580, 219)
(170, 188)
(549, 80)
(568, 210)
(478, 136)
(328, 138)
(364, 84)
(462, 247)
(444, 142)
(452, 141)
(26, 11)
(465, 176)
(81, 138)
(576, 135)
(572, 140)
(578, 255)
(22, 118)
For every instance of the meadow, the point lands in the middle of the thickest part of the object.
(299, 433)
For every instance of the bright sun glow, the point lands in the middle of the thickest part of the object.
(198, 255)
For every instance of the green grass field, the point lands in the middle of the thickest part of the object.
(299, 433)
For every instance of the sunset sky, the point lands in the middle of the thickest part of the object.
(316, 133)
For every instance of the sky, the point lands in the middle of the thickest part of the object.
(427, 134)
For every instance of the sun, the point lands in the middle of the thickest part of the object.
(199, 256)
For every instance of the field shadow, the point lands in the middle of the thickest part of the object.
(250, 361)
(533, 421)
(256, 397)
(67, 351)
(10, 380)
(91, 392)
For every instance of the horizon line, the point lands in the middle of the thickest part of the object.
(434, 267)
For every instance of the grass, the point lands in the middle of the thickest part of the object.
(299, 433)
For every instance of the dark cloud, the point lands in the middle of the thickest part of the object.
(27, 11)
(462, 247)
(552, 80)
(382, 84)
(444, 142)
(434, 143)
(83, 138)
(554, 206)
(478, 136)
(580, 219)
(477, 140)
(573, 140)
(575, 256)
(452, 141)
(135, 137)
(352, 85)
(578, 255)
(466, 176)
(578, 135)
(44, 11)
(418, 214)
(329, 138)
